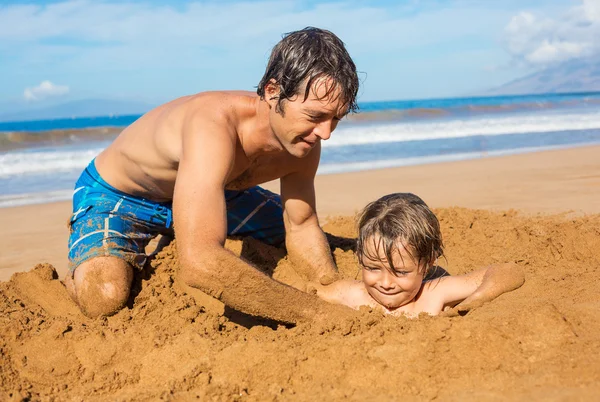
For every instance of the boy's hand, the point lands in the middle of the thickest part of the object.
(498, 279)
(464, 307)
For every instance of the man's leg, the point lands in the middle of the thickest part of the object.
(105, 245)
(109, 233)
(100, 286)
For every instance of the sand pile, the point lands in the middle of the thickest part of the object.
(540, 341)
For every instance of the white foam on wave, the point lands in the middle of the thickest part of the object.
(44, 161)
(456, 128)
(48, 161)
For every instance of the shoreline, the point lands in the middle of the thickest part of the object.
(62, 195)
(548, 182)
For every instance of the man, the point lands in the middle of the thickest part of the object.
(192, 166)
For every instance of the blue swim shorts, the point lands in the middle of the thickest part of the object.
(109, 222)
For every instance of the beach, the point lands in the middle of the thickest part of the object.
(540, 210)
(550, 182)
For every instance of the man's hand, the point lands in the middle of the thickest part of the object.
(329, 278)
(333, 318)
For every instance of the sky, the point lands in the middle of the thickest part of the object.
(154, 51)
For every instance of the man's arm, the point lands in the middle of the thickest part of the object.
(305, 241)
(199, 211)
(351, 293)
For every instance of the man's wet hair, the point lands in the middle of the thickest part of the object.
(310, 54)
(399, 219)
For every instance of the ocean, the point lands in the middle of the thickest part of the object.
(41, 160)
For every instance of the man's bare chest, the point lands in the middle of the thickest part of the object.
(258, 171)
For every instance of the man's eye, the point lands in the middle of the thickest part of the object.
(371, 269)
(401, 272)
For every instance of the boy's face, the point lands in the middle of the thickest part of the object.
(391, 289)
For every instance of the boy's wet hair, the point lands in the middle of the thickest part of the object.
(400, 219)
(310, 54)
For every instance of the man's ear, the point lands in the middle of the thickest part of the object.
(272, 92)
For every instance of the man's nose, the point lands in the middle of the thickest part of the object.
(324, 129)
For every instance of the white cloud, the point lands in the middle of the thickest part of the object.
(538, 41)
(46, 89)
(182, 47)
(133, 34)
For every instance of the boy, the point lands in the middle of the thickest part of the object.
(399, 241)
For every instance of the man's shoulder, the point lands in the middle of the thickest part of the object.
(223, 99)
(222, 107)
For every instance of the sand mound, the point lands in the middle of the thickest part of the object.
(540, 341)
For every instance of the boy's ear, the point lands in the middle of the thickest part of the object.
(429, 267)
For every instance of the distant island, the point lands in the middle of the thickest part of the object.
(580, 75)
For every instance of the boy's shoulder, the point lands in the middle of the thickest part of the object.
(450, 290)
(433, 295)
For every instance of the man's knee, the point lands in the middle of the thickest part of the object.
(101, 286)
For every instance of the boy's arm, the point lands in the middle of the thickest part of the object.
(475, 288)
(498, 279)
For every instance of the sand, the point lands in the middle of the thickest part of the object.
(541, 341)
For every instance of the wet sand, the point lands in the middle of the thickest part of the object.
(541, 341)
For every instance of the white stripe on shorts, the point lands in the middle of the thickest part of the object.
(250, 215)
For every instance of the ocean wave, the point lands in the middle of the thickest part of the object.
(11, 140)
(488, 103)
(45, 161)
(455, 128)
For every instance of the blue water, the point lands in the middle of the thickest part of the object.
(519, 101)
(393, 133)
(448, 105)
(62, 124)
